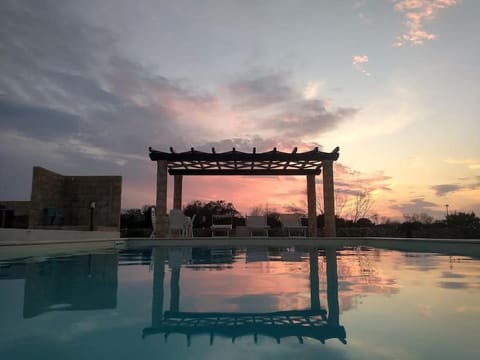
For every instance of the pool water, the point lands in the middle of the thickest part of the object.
(240, 303)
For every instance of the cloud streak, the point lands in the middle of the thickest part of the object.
(470, 163)
(416, 206)
(308, 117)
(36, 121)
(260, 91)
(349, 181)
(274, 106)
(445, 189)
(416, 13)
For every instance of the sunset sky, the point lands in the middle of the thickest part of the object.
(87, 86)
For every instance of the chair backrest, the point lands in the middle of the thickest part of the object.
(176, 219)
(290, 220)
(222, 219)
(259, 221)
(193, 219)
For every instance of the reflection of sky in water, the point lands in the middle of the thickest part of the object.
(392, 305)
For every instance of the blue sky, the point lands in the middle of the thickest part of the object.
(86, 87)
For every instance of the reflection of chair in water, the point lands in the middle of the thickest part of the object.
(256, 254)
(257, 224)
(292, 223)
(176, 222)
(178, 256)
(221, 254)
(222, 224)
(291, 255)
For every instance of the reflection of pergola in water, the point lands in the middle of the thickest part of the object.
(234, 162)
(315, 323)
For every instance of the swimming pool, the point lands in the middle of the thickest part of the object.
(255, 302)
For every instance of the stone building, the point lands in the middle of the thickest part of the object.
(67, 203)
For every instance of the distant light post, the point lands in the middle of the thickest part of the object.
(92, 210)
(446, 206)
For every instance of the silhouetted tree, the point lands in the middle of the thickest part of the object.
(136, 218)
(465, 224)
(205, 210)
(422, 218)
(364, 222)
(463, 219)
(358, 206)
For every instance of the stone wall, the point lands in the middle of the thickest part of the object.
(14, 214)
(47, 193)
(82, 191)
(64, 202)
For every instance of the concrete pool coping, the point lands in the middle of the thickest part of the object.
(19, 249)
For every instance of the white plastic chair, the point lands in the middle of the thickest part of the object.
(176, 222)
(257, 223)
(222, 224)
(189, 226)
(293, 223)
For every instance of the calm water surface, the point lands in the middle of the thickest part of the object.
(255, 303)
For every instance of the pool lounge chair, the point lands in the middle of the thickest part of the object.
(222, 224)
(292, 223)
(257, 224)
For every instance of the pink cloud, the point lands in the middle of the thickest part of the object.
(416, 13)
(359, 61)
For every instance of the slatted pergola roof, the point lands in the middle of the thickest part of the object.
(235, 162)
(277, 325)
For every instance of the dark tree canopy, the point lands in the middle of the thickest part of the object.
(205, 210)
(466, 220)
(137, 218)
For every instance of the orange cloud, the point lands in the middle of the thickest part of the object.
(416, 13)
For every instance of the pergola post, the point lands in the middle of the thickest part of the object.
(332, 287)
(328, 198)
(177, 191)
(312, 206)
(314, 281)
(161, 205)
(175, 288)
(158, 258)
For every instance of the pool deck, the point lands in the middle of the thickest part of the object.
(17, 249)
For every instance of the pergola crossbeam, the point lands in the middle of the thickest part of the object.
(229, 171)
(236, 162)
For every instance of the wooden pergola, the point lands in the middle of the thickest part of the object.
(274, 162)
